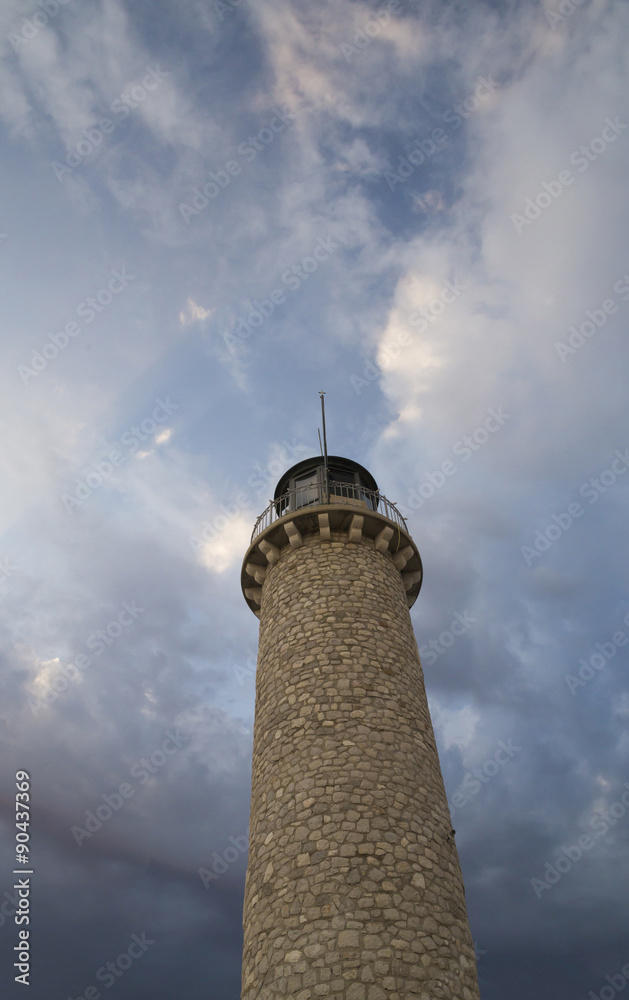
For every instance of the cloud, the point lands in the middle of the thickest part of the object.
(193, 313)
(227, 547)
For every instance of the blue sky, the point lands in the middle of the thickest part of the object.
(210, 212)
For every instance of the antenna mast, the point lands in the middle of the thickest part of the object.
(325, 449)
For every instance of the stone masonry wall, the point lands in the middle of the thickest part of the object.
(354, 889)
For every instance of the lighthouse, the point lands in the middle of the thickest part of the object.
(354, 889)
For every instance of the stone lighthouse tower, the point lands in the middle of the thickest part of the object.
(354, 889)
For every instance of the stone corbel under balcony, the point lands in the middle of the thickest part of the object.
(287, 533)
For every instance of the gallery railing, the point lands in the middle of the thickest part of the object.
(316, 494)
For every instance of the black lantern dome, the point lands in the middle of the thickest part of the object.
(306, 482)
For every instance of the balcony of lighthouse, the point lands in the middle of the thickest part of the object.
(345, 505)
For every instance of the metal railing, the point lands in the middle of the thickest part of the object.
(317, 495)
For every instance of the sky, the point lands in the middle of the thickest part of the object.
(211, 212)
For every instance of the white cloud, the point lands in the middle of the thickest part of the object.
(456, 727)
(193, 313)
(227, 546)
(522, 292)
